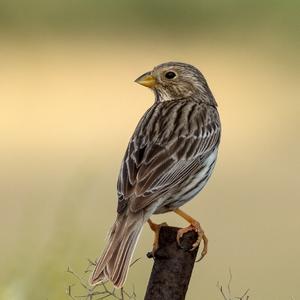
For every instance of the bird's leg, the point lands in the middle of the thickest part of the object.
(156, 228)
(195, 225)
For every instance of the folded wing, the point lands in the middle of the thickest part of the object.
(151, 167)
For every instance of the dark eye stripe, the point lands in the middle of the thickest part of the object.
(170, 75)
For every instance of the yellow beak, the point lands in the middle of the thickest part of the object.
(146, 80)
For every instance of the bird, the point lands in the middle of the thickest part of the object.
(168, 161)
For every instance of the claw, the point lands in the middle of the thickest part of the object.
(195, 225)
(201, 236)
(204, 251)
(156, 228)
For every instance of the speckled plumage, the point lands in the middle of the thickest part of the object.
(168, 161)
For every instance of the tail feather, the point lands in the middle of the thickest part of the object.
(115, 259)
(120, 268)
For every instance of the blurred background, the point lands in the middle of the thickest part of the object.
(69, 106)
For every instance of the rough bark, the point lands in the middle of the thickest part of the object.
(173, 266)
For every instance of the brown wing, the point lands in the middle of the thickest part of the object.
(169, 145)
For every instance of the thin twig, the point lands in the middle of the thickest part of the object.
(228, 295)
(136, 260)
(98, 292)
(229, 282)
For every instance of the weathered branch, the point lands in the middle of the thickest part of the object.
(172, 267)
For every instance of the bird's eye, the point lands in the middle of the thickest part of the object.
(170, 75)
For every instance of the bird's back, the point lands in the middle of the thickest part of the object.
(169, 146)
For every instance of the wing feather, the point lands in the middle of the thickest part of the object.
(155, 161)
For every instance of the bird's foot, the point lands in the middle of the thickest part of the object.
(156, 228)
(195, 226)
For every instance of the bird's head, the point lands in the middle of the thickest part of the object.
(176, 81)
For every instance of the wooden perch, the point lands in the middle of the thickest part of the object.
(173, 266)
